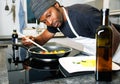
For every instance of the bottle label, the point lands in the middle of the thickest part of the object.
(15, 40)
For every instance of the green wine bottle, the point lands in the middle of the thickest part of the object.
(104, 37)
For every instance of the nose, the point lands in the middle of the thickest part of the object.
(49, 22)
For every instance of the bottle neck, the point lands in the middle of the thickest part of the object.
(105, 17)
(14, 32)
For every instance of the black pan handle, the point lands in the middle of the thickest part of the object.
(21, 45)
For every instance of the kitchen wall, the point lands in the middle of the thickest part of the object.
(6, 22)
(115, 11)
(70, 2)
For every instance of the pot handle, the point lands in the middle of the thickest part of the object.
(21, 45)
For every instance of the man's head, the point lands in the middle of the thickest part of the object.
(38, 7)
(48, 12)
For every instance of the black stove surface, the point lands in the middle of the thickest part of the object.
(41, 70)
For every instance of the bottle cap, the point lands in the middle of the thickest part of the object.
(105, 11)
(14, 30)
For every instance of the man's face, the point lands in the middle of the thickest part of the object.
(52, 17)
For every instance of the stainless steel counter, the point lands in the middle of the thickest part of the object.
(3, 66)
(6, 38)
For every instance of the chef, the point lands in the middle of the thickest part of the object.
(78, 22)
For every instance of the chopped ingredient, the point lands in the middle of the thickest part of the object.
(52, 52)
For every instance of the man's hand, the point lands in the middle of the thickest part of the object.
(26, 42)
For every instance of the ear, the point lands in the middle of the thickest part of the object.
(57, 5)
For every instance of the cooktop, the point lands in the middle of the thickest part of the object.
(40, 71)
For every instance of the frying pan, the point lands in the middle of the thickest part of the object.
(35, 51)
(50, 46)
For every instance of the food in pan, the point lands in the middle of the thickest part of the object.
(52, 52)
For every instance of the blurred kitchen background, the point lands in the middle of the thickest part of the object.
(30, 26)
(7, 24)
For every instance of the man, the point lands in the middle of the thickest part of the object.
(73, 21)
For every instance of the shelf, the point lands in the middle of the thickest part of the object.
(114, 12)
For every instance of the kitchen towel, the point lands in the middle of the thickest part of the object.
(21, 17)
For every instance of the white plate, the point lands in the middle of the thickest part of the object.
(81, 63)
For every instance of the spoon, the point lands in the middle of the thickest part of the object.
(34, 42)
